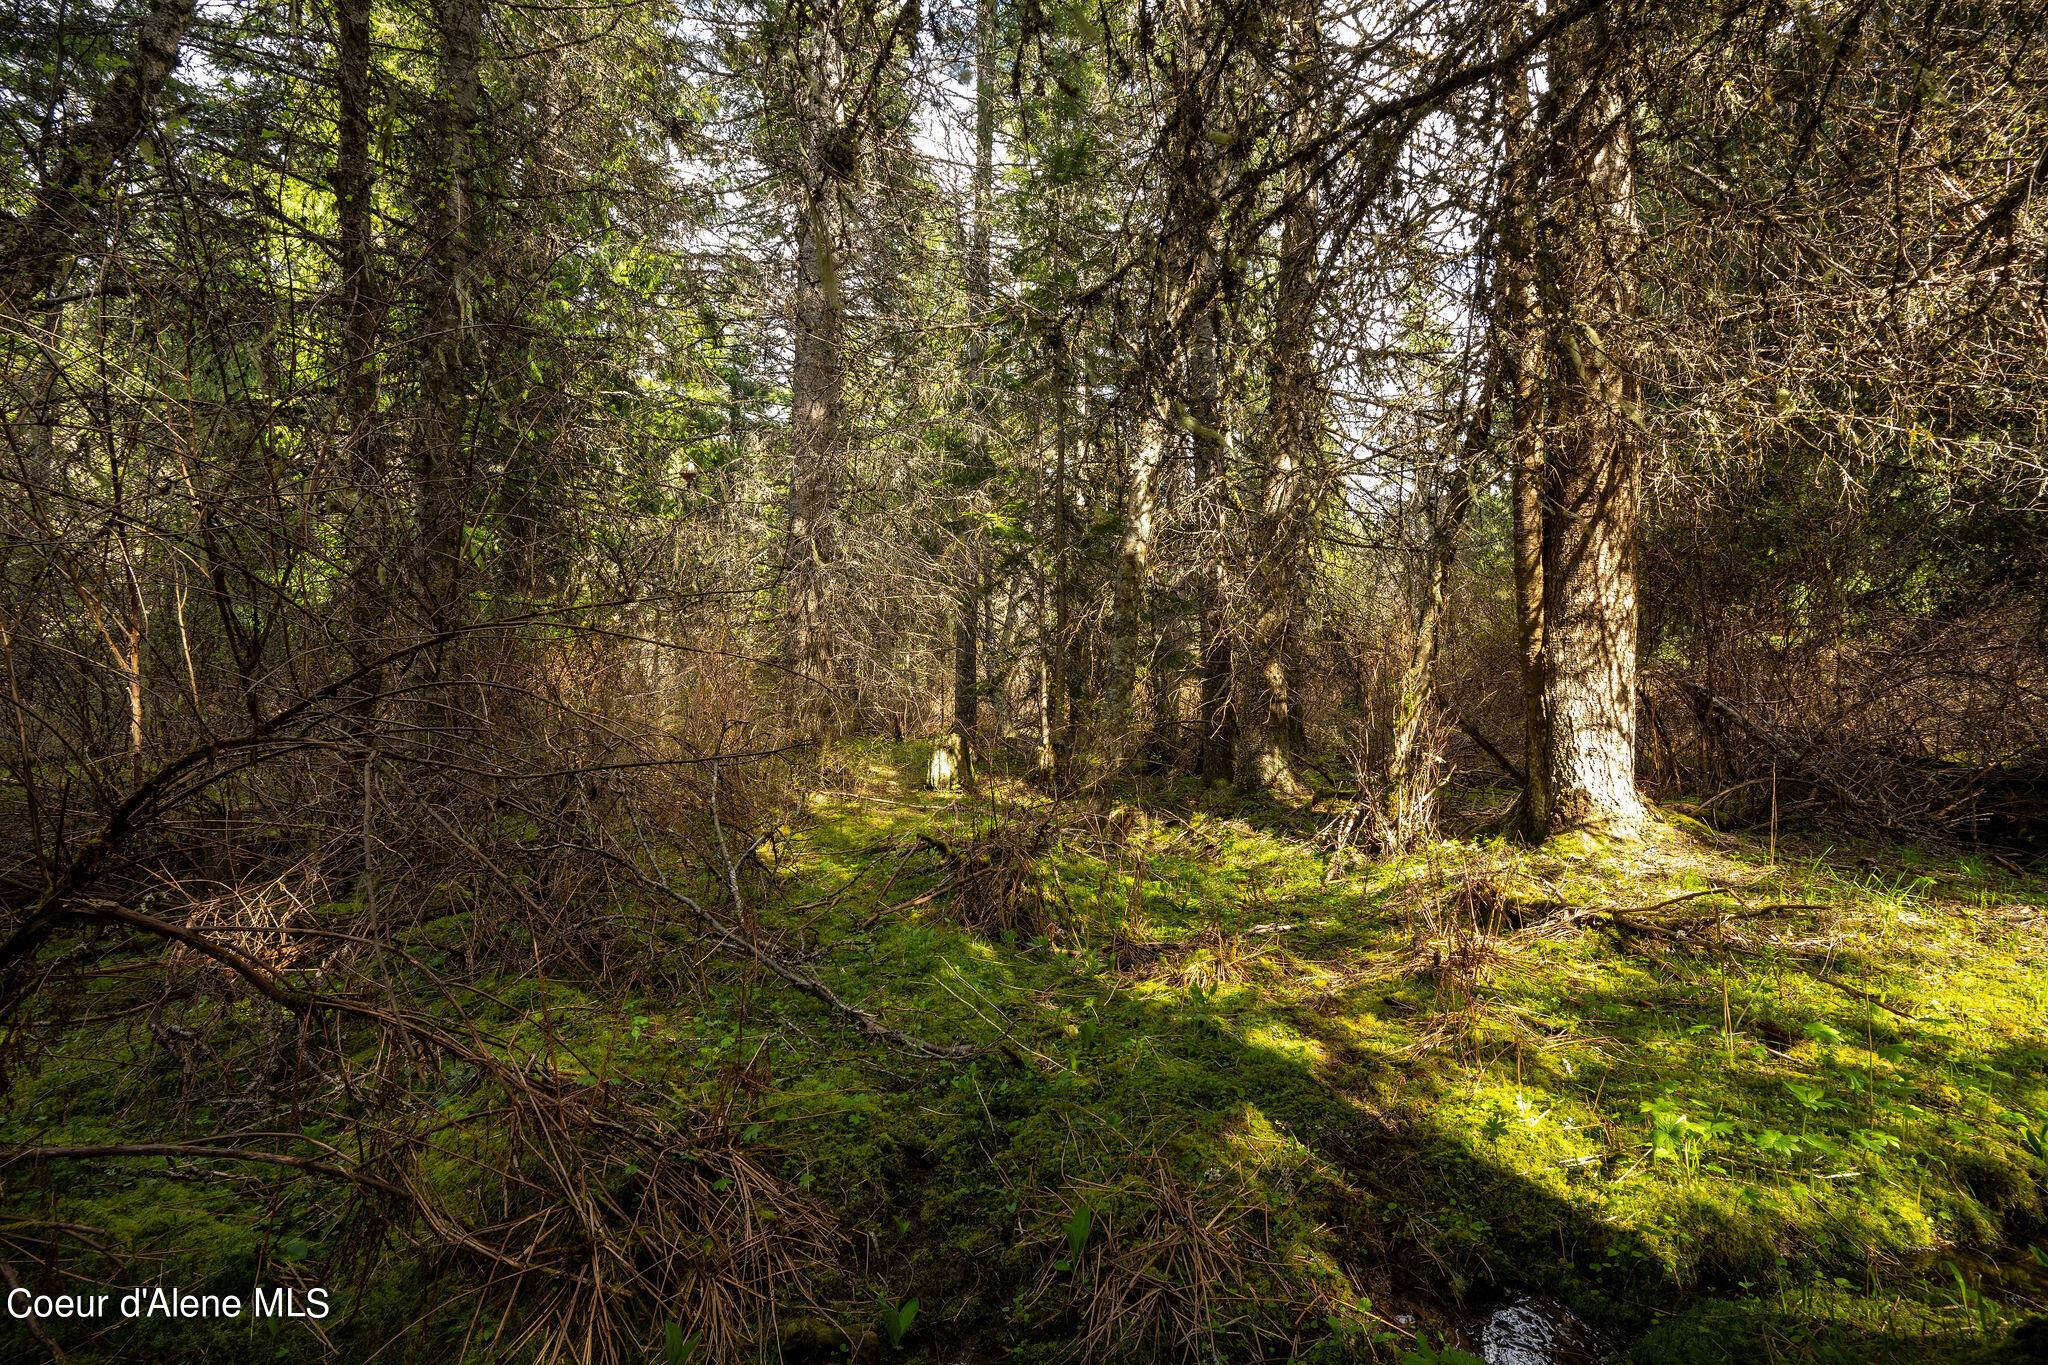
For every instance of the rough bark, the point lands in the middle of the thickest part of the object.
(1181, 283)
(356, 418)
(1130, 634)
(352, 182)
(966, 679)
(1058, 648)
(439, 455)
(1407, 816)
(817, 442)
(1279, 540)
(1522, 361)
(1218, 726)
(1592, 468)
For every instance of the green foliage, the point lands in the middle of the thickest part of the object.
(1079, 1227)
(677, 1349)
(1566, 1119)
(896, 1320)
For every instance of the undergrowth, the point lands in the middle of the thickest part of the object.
(1228, 1108)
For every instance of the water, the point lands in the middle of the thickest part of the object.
(1531, 1331)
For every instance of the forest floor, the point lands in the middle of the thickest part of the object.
(1688, 1100)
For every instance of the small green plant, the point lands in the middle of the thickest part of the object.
(1970, 1300)
(1079, 1227)
(1812, 1098)
(1823, 1032)
(1677, 1137)
(1444, 1354)
(1771, 1142)
(895, 1321)
(677, 1349)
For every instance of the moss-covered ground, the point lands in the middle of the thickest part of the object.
(1724, 1105)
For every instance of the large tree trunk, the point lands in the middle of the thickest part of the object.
(1522, 361)
(1218, 725)
(356, 419)
(440, 466)
(817, 453)
(1279, 541)
(1592, 470)
(1408, 792)
(1183, 278)
(1058, 648)
(1130, 633)
(980, 290)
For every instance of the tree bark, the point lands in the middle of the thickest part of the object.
(1592, 467)
(1218, 724)
(980, 290)
(439, 456)
(1058, 648)
(1279, 541)
(353, 181)
(356, 423)
(1522, 359)
(817, 443)
(1407, 817)
(1130, 634)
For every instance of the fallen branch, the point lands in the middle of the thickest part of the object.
(1486, 746)
(790, 972)
(1785, 750)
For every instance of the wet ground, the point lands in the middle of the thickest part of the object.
(1523, 1330)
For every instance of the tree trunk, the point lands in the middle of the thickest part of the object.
(1407, 817)
(1058, 649)
(966, 682)
(1130, 634)
(1522, 359)
(1280, 535)
(357, 416)
(439, 459)
(1592, 473)
(817, 454)
(352, 186)
(1218, 725)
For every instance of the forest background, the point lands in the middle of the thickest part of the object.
(603, 603)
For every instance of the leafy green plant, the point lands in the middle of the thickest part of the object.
(1823, 1032)
(677, 1349)
(1444, 1354)
(1771, 1142)
(1678, 1137)
(895, 1321)
(1969, 1299)
(1079, 1227)
(1812, 1098)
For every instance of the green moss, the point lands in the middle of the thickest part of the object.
(1346, 1100)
